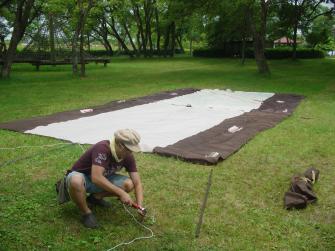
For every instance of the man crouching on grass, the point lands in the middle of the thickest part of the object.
(95, 173)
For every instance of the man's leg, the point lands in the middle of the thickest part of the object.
(128, 185)
(77, 191)
(119, 180)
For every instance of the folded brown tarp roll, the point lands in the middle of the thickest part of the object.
(312, 174)
(304, 187)
(294, 200)
(301, 190)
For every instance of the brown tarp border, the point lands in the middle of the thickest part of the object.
(28, 124)
(217, 143)
(207, 147)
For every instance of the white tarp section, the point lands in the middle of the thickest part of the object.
(159, 123)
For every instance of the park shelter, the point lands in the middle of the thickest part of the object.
(284, 41)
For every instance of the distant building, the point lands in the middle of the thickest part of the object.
(283, 41)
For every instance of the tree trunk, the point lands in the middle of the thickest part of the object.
(88, 42)
(173, 38)
(167, 40)
(75, 41)
(9, 57)
(108, 47)
(130, 39)
(140, 29)
(148, 15)
(81, 52)
(262, 64)
(138, 41)
(191, 46)
(28, 45)
(246, 18)
(75, 51)
(52, 38)
(243, 51)
(294, 46)
(79, 34)
(82, 32)
(158, 42)
(295, 30)
(180, 43)
(22, 15)
(121, 42)
(103, 33)
(150, 40)
(259, 40)
(102, 42)
(3, 47)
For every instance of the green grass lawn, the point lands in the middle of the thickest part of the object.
(245, 205)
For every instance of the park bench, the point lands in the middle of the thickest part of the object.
(37, 62)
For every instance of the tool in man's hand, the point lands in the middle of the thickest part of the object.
(142, 209)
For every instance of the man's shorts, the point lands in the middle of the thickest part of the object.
(116, 179)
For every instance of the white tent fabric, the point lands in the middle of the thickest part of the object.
(159, 123)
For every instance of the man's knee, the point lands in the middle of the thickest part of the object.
(77, 182)
(128, 185)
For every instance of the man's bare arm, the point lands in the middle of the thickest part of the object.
(101, 181)
(135, 177)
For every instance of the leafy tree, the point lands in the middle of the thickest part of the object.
(230, 22)
(193, 29)
(298, 14)
(25, 12)
(241, 20)
(4, 32)
(320, 33)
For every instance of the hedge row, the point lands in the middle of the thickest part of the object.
(270, 53)
(60, 54)
(101, 53)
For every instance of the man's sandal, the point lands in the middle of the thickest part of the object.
(90, 221)
(98, 202)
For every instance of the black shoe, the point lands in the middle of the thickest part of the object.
(90, 221)
(94, 201)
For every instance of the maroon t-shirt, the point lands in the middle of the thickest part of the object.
(101, 155)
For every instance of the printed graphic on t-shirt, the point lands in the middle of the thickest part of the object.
(102, 157)
(113, 168)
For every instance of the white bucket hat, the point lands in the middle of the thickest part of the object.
(129, 138)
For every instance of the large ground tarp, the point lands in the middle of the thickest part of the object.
(202, 126)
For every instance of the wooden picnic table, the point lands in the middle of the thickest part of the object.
(37, 62)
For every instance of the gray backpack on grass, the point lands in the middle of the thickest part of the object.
(62, 192)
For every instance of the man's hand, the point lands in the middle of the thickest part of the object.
(125, 198)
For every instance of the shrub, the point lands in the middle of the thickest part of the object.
(270, 53)
(211, 53)
(280, 53)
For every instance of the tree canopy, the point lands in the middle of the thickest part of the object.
(158, 27)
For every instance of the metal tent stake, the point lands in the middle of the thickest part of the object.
(203, 206)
